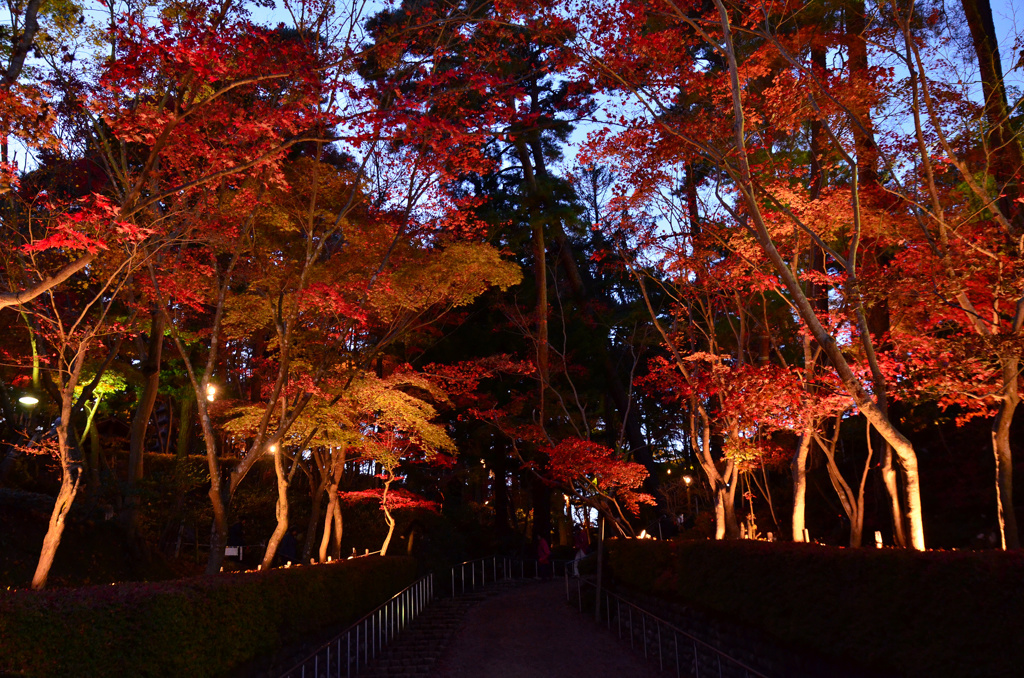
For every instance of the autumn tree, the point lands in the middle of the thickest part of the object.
(736, 139)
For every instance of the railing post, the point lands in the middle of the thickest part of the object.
(632, 645)
(643, 624)
(675, 644)
(661, 662)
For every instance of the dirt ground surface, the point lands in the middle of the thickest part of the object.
(532, 633)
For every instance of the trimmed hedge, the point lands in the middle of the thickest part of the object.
(899, 612)
(206, 626)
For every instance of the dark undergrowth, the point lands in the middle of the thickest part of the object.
(939, 613)
(203, 626)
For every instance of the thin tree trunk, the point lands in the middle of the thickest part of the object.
(387, 514)
(731, 479)
(314, 519)
(281, 512)
(337, 527)
(71, 474)
(889, 477)
(1004, 457)
(852, 502)
(94, 461)
(332, 520)
(184, 425)
(55, 528)
(329, 518)
(798, 468)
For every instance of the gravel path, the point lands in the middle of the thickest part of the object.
(532, 633)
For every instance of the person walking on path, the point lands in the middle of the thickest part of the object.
(544, 569)
(580, 542)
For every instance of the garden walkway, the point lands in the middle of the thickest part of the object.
(527, 631)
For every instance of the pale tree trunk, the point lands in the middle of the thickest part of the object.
(55, 529)
(852, 502)
(889, 477)
(336, 528)
(1004, 457)
(720, 517)
(71, 474)
(798, 468)
(281, 512)
(731, 481)
(818, 295)
(387, 514)
(332, 528)
(715, 479)
(332, 521)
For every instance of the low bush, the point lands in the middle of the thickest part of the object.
(206, 626)
(940, 613)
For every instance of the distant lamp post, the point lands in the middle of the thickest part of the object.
(211, 392)
(273, 448)
(688, 479)
(28, 400)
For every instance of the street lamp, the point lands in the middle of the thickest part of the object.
(273, 448)
(28, 400)
(211, 392)
(688, 479)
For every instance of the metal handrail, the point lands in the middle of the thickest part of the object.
(352, 649)
(693, 657)
(500, 569)
(371, 633)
